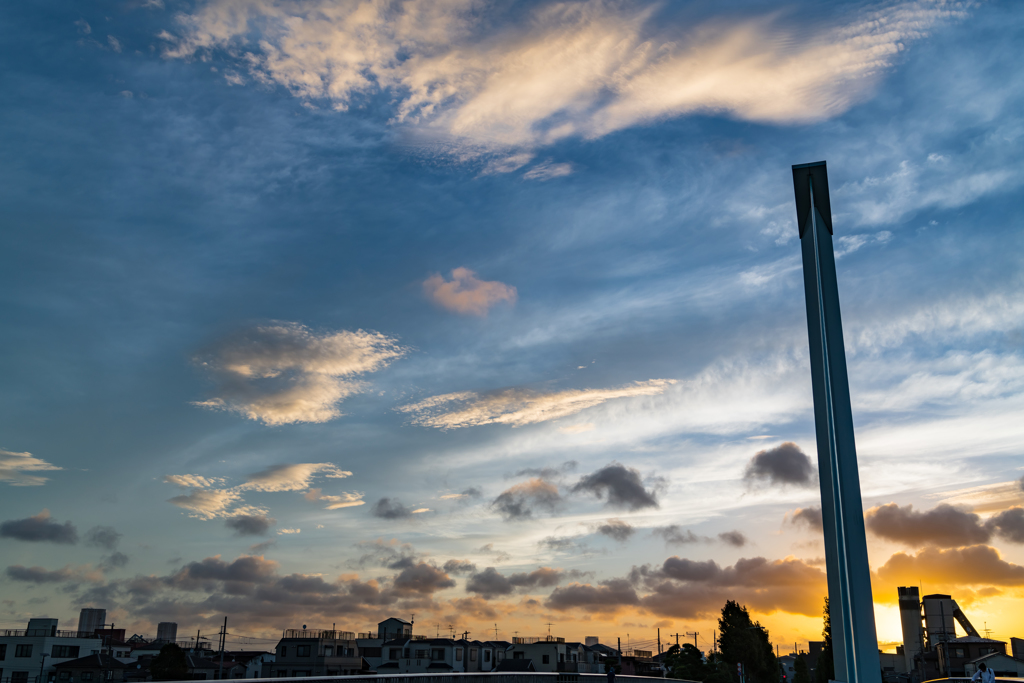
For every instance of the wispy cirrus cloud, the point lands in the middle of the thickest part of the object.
(519, 407)
(283, 373)
(208, 498)
(467, 294)
(564, 69)
(18, 469)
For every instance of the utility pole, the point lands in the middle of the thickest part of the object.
(223, 642)
(676, 636)
(659, 641)
(714, 642)
(495, 632)
(854, 642)
(619, 641)
(694, 634)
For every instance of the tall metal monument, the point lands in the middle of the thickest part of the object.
(854, 642)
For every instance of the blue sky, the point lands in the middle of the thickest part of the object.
(519, 269)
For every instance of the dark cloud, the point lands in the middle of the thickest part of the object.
(105, 537)
(944, 526)
(114, 561)
(474, 606)
(1009, 524)
(260, 548)
(38, 574)
(390, 554)
(562, 544)
(459, 567)
(811, 516)
(472, 492)
(785, 464)
(422, 578)
(546, 472)
(519, 501)
(616, 529)
(491, 583)
(620, 485)
(249, 525)
(386, 508)
(733, 538)
(606, 596)
(673, 534)
(39, 528)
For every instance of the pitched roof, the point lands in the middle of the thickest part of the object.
(97, 661)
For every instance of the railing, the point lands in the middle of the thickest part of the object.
(47, 633)
(317, 633)
(474, 677)
(538, 639)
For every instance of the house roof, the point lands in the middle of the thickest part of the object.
(98, 661)
(996, 654)
(394, 619)
(976, 639)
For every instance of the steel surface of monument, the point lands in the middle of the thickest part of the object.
(854, 641)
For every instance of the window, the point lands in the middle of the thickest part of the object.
(472, 654)
(302, 650)
(372, 652)
(437, 654)
(22, 651)
(958, 652)
(3, 651)
(458, 654)
(19, 677)
(86, 675)
(546, 659)
(487, 655)
(421, 654)
(283, 651)
(65, 652)
(394, 654)
(518, 655)
(64, 675)
(328, 651)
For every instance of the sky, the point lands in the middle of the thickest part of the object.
(491, 313)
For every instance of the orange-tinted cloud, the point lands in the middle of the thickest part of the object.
(466, 294)
(950, 570)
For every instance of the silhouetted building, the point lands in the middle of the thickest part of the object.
(90, 619)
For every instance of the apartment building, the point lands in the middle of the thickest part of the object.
(316, 652)
(25, 654)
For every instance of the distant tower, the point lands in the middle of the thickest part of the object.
(91, 619)
(910, 617)
(167, 631)
(938, 619)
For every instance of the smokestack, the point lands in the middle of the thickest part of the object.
(167, 631)
(910, 617)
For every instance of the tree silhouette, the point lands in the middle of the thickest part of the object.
(170, 664)
(746, 642)
(826, 669)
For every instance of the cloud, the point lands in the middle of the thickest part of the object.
(520, 501)
(422, 578)
(733, 538)
(285, 373)
(283, 532)
(565, 69)
(943, 526)
(811, 516)
(546, 472)
(260, 548)
(547, 171)
(785, 464)
(466, 294)
(519, 407)
(345, 500)
(676, 535)
(386, 508)
(616, 529)
(114, 561)
(490, 583)
(1009, 524)
(15, 469)
(250, 525)
(204, 502)
(208, 503)
(105, 537)
(38, 574)
(39, 528)
(292, 477)
(620, 485)
(606, 596)
(471, 492)
(459, 567)
(977, 565)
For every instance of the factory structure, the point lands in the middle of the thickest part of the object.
(931, 648)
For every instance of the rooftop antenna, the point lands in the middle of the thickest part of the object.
(438, 627)
(987, 630)
(495, 631)
(549, 628)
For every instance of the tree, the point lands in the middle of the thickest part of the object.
(826, 669)
(801, 674)
(686, 662)
(746, 642)
(170, 664)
